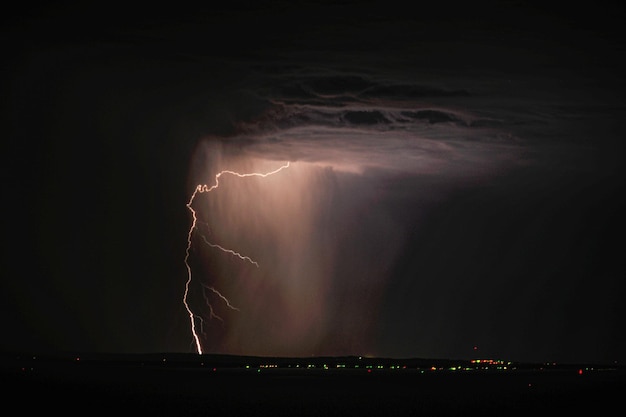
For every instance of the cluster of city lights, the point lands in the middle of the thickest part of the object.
(475, 364)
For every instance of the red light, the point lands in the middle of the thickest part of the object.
(580, 372)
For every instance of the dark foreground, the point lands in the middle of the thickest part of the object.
(158, 387)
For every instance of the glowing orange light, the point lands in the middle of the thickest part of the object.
(203, 188)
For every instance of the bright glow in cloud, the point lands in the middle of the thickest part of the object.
(306, 255)
(323, 233)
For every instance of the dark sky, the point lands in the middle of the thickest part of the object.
(455, 186)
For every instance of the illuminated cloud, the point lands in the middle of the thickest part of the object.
(327, 231)
(445, 179)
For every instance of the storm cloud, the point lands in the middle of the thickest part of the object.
(455, 180)
(372, 159)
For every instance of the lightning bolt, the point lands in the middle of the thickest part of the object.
(212, 314)
(221, 296)
(232, 252)
(204, 188)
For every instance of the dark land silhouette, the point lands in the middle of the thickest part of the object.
(191, 384)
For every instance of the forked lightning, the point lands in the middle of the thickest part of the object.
(203, 188)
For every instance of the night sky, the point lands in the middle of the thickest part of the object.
(454, 189)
